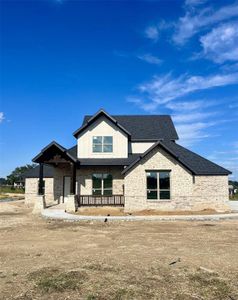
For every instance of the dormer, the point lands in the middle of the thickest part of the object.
(101, 136)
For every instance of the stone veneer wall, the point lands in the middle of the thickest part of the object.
(84, 178)
(211, 192)
(205, 192)
(31, 190)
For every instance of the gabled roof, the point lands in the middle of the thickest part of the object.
(93, 118)
(50, 149)
(48, 172)
(144, 127)
(193, 162)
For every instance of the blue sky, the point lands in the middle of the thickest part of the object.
(61, 59)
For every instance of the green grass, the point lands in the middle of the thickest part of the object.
(235, 197)
(11, 190)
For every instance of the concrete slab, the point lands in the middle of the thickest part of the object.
(59, 214)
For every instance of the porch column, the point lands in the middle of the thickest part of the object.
(41, 183)
(73, 181)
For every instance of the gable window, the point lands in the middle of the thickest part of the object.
(102, 144)
(158, 185)
(102, 184)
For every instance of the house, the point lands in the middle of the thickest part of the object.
(128, 160)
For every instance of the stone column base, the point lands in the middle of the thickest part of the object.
(39, 204)
(71, 204)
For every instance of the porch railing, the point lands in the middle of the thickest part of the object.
(91, 200)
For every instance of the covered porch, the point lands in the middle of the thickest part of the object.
(79, 185)
(58, 157)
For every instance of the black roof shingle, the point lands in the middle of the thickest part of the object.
(195, 163)
(145, 127)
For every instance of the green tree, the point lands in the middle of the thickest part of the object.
(17, 174)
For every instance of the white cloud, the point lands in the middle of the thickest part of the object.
(194, 2)
(152, 33)
(2, 117)
(189, 105)
(192, 117)
(163, 89)
(151, 59)
(194, 21)
(192, 132)
(221, 44)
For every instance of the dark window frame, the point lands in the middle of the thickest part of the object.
(158, 191)
(103, 191)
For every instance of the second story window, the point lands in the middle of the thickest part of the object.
(102, 144)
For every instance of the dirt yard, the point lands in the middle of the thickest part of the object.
(119, 211)
(42, 259)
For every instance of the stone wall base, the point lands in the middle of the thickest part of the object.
(71, 204)
(39, 205)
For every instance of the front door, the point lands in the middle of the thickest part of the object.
(67, 180)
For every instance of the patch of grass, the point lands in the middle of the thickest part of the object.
(210, 285)
(121, 294)
(6, 189)
(99, 267)
(234, 197)
(52, 280)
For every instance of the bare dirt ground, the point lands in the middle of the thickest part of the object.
(119, 211)
(42, 259)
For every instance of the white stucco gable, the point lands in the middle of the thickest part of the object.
(102, 126)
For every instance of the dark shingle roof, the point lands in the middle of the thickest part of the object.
(108, 161)
(102, 161)
(199, 164)
(145, 127)
(73, 151)
(195, 163)
(48, 172)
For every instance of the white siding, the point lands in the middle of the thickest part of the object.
(139, 147)
(103, 127)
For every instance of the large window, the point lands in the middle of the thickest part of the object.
(102, 144)
(102, 184)
(158, 185)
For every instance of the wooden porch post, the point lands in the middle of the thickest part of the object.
(41, 183)
(73, 180)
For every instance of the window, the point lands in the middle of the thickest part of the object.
(102, 144)
(102, 184)
(43, 188)
(164, 185)
(152, 185)
(158, 183)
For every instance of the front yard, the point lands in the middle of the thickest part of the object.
(124, 260)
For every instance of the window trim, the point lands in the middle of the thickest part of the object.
(102, 185)
(158, 186)
(102, 144)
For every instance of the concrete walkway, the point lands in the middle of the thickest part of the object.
(59, 214)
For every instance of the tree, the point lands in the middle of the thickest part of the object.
(234, 183)
(17, 174)
(3, 181)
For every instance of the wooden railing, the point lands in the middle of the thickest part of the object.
(91, 200)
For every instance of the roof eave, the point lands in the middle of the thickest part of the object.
(94, 117)
(159, 143)
(61, 148)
